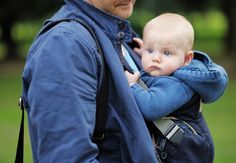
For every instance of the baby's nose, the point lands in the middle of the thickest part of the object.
(156, 57)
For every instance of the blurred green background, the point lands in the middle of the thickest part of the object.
(214, 23)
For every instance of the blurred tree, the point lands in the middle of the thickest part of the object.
(228, 7)
(187, 6)
(13, 11)
(145, 11)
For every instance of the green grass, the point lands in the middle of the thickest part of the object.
(219, 115)
(221, 120)
(10, 90)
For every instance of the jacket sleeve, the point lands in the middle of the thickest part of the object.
(205, 77)
(62, 75)
(164, 95)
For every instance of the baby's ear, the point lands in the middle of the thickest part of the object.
(188, 57)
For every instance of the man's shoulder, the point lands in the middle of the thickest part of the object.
(69, 27)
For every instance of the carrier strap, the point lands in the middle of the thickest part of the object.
(20, 146)
(170, 130)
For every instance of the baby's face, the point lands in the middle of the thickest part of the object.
(162, 53)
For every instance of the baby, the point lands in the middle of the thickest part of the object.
(177, 79)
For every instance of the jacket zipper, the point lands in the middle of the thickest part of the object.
(120, 53)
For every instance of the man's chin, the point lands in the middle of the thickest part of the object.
(125, 12)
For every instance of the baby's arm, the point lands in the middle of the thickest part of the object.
(164, 96)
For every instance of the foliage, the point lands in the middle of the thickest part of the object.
(210, 28)
(140, 18)
(13, 11)
(215, 16)
(26, 9)
(211, 24)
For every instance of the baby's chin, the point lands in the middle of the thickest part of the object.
(156, 74)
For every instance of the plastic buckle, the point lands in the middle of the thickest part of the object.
(21, 103)
(175, 135)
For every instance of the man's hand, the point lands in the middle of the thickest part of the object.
(132, 78)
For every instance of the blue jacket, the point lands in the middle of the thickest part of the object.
(168, 93)
(60, 81)
(179, 96)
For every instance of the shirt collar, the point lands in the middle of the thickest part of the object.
(113, 26)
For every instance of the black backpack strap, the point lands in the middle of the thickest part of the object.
(20, 146)
(101, 98)
(102, 94)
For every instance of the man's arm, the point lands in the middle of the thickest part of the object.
(62, 101)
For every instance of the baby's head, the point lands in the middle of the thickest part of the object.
(168, 41)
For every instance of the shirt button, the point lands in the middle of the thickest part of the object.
(121, 25)
(164, 155)
(121, 35)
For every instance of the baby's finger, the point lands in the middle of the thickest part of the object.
(138, 51)
(138, 41)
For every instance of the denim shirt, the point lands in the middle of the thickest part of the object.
(60, 81)
(166, 94)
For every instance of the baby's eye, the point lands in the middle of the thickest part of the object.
(150, 50)
(167, 53)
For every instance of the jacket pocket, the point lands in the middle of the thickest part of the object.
(193, 148)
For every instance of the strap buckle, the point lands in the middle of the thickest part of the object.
(170, 130)
(21, 103)
(175, 135)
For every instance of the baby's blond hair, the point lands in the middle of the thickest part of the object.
(168, 22)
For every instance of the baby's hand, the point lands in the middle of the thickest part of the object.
(132, 78)
(140, 45)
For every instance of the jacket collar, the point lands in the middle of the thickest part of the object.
(113, 26)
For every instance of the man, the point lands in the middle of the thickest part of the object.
(60, 81)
